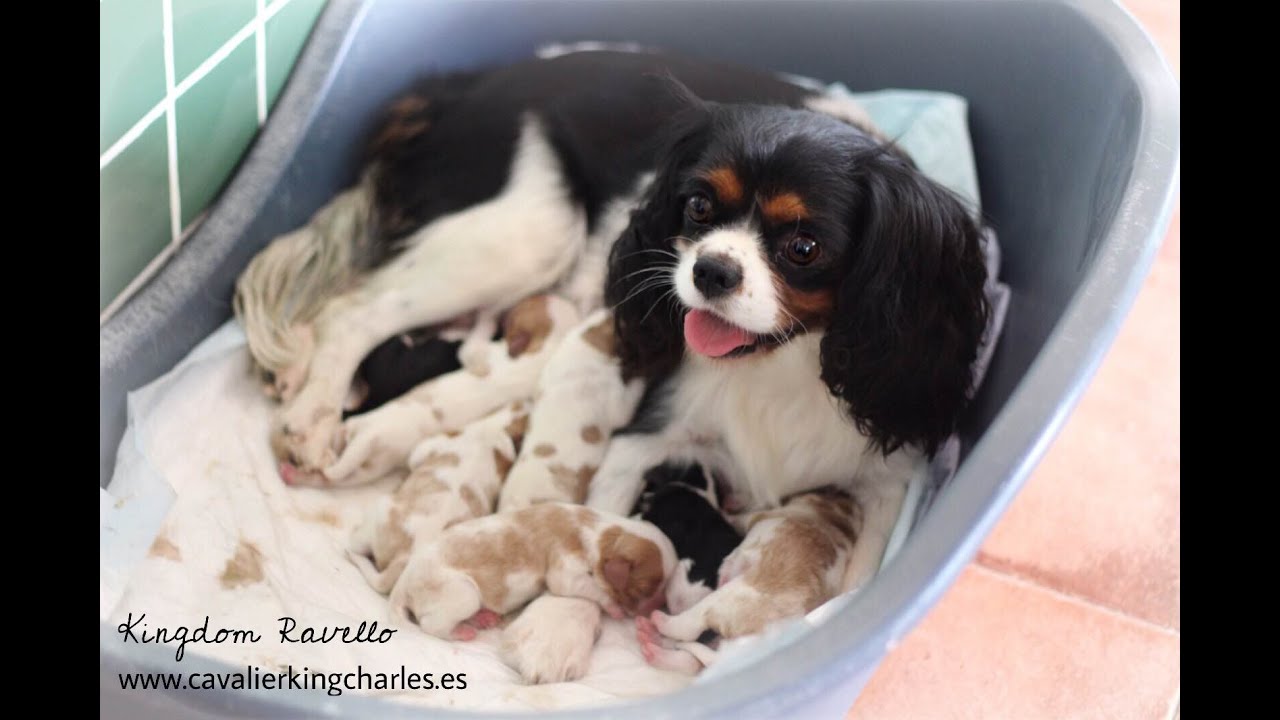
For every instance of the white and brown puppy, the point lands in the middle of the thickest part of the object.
(481, 569)
(581, 400)
(378, 442)
(792, 560)
(453, 478)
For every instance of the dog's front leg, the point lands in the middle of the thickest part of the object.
(618, 482)
(306, 433)
(881, 501)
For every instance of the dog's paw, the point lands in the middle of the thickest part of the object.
(307, 434)
(552, 639)
(285, 383)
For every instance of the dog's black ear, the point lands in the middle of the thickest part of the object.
(911, 311)
(639, 286)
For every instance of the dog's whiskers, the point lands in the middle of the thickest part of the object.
(649, 270)
(670, 291)
(647, 284)
(794, 320)
(660, 251)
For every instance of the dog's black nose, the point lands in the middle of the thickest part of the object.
(716, 275)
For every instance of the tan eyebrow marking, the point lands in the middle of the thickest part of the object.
(726, 183)
(785, 207)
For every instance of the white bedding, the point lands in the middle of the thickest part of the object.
(197, 523)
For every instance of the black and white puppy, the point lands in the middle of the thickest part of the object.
(683, 502)
(399, 365)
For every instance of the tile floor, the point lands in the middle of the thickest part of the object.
(1072, 609)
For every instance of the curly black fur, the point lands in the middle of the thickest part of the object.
(911, 312)
(647, 316)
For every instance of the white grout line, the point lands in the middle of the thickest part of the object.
(151, 269)
(260, 63)
(171, 121)
(196, 75)
(177, 234)
(132, 134)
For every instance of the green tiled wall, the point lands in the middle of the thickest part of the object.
(193, 69)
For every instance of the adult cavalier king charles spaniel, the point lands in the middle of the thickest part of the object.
(802, 304)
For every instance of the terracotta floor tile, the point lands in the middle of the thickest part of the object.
(1098, 522)
(997, 648)
(1162, 19)
(1099, 518)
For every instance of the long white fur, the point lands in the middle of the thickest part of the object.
(286, 285)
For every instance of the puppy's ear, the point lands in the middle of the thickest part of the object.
(631, 565)
(911, 310)
(649, 339)
(617, 572)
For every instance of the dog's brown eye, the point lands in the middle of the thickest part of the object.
(698, 208)
(803, 249)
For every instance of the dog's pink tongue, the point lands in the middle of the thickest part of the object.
(709, 335)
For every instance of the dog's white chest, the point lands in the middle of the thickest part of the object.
(769, 423)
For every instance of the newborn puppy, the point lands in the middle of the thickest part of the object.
(399, 365)
(552, 639)
(681, 501)
(792, 560)
(454, 477)
(379, 442)
(481, 569)
(581, 400)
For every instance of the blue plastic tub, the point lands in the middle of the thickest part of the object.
(1075, 124)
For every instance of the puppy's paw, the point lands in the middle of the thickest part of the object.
(662, 653)
(659, 620)
(614, 610)
(292, 476)
(485, 619)
(474, 357)
(463, 632)
(552, 639)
